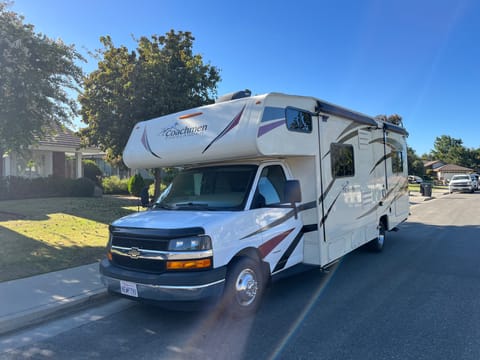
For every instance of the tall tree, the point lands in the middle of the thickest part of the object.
(450, 150)
(415, 164)
(35, 75)
(161, 76)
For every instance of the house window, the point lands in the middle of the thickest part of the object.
(298, 120)
(342, 160)
(31, 165)
(397, 162)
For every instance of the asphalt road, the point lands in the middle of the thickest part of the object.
(419, 299)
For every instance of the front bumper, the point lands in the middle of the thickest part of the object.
(178, 286)
(461, 188)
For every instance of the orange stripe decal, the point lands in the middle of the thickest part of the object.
(187, 116)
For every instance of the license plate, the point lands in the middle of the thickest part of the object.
(128, 288)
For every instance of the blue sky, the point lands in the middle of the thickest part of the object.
(416, 58)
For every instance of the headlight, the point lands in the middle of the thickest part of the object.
(194, 243)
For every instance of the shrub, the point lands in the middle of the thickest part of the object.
(136, 185)
(92, 171)
(113, 185)
(82, 187)
(13, 188)
(3, 188)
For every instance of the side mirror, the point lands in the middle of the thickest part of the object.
(292, 191)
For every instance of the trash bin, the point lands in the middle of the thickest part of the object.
(422, 190)
(427, 189)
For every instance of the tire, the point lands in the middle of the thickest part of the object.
(376, 244)
(244, 288)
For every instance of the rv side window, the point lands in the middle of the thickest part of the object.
(342, 160)
(298, 120)
(397, 161)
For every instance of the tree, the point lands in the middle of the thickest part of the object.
(161, 76)
(450, 150)
(92, 171)
(35, 73)
(471, 158)
(415, 164)
(394, 119)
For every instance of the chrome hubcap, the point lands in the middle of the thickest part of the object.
(246, 287)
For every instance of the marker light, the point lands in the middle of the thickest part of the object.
(189, 264)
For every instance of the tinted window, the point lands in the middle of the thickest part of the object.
(271, 187)
(342, 160)
(298, 120)
(397, 161)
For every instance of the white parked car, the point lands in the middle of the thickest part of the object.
(460, 183)
(413, 179)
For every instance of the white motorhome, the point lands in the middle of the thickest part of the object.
(268, 182)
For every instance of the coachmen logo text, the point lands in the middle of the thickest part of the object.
(176, 131)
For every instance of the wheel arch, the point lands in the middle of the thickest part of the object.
(384, 220)
(254, 254)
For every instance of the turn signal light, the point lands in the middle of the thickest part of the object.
(189, 264)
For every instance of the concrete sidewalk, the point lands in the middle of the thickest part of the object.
(35, 299)
(417, 198)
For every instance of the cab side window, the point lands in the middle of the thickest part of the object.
(271, 187)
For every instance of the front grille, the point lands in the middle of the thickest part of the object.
(141, 243)
(145, 239)
(145, 265)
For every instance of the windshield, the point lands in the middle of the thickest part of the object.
(209, 188)
(461, 177)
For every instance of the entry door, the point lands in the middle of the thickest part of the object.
(58, 159)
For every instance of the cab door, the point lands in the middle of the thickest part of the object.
(278, 222)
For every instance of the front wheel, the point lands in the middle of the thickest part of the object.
(377, 243)
(244, 287)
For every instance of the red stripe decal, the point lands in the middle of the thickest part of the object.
(229, 127)
(269, 245)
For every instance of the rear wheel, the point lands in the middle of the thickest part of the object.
(377, 243)
(244, 287)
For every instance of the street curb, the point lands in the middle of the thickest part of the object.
(52, 310)
(416, 199)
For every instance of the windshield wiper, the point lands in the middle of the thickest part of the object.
(163, 206)
(192, 205)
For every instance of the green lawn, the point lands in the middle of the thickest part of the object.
(43, 235)
(416, 187)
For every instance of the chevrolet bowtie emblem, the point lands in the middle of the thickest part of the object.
(134, 253)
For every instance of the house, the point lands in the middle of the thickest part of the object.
(432, 165)
(57, 154)
(445, 173)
